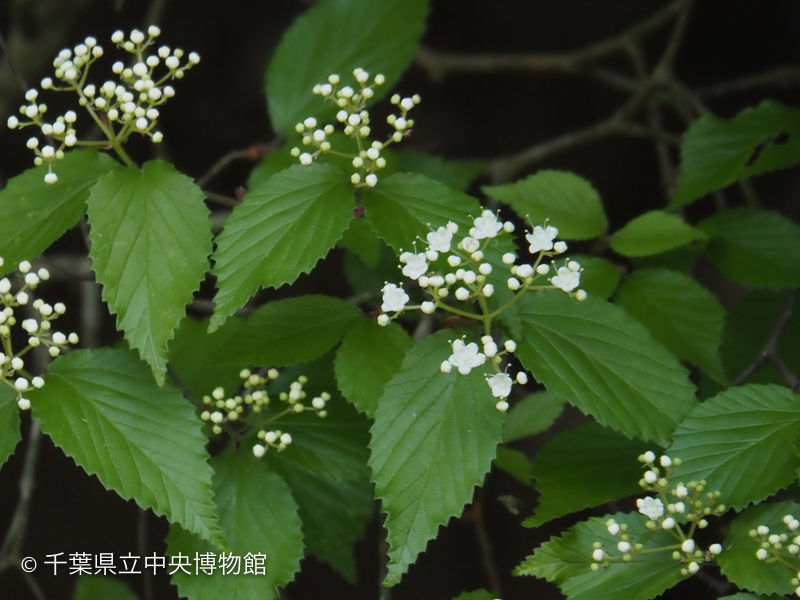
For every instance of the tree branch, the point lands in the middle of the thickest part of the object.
(783, 76)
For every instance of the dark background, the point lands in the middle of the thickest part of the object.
(220, 106)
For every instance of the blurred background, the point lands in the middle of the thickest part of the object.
(732, 55)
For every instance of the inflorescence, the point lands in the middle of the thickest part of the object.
(453, 266)
(774, 545)
(679, 509)
(120, 108)
(255, 397)
(355, 118)
(38, 329)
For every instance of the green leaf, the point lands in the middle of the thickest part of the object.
(678, 259)
(9, 423)
(368, 357)
(725, 439)
(749, 325)
(566, 562)
(597, 357)
(95, 587)
(738, 561)
(568, 201)
(334, 513)
(281, 230)
(202, 361)
(362, 241)
(533, 414)
(275, 162)
(457, 174)
(652, 233)
(433, 440)
(600, 277)
(402, 205)
(293, 331)
(103, 409)
(33, 214)
(716, 152)
(476, 595)
(258, 516)
(515, 463)
(679, 312)
(583, 467)
(151, 238)
(337, 36)
(755, 247)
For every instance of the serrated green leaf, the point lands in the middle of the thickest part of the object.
(598, 358)
(738, 560)
(716, 152)
(280, 230)
(749, 324)
(33, 214)
(292, 331)
(275, 162)
(337, 36)
(403, 204)
(566, 562)
(652, 233)
(476, 595)
(201, 360)
(151, 238)
(583, 467)
(533, 414)
(362, 241)
(515, 463)
(679, 312)
(600, 277)
(9, 423)
(451, 421)
(457, 174)
(368, 357)
(103, 409)
(678, 259)
(725, 439)
(95, 587)
(568, 201)
(258, 515)
(334, 513)
(368, 280)
(755, 247)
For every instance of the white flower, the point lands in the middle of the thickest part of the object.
(500, 384)
(466, 357)
(666, 461)
(688, 546)
(566, 279)
(394, 298)
(541, 238)
(470, 244)
(681, 491)
(416, 264)
(650, 477)
(668, 523)
(763, 530)
(652, 508)
(439, 240)
(486, 226)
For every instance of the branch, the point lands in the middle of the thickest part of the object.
(770, 350)
(485, 543)
(783, 76)
(439, 64)
(252, 153)
(12, 65)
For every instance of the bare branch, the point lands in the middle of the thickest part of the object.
(783, 76)
(252, 153)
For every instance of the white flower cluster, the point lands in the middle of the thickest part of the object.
(119, 108)
(355, 118)
(254, 395)
(38, 330)
(689, 507)
(448, 262)
(773, 545)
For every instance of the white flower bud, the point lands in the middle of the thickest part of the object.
(762, 554)
(598, 555)
(371, 180)
(21, 384)
(688, 546)
(560, 247)
(306, 159)
(37, 382)
(286, 439)
(194, 58)
(502, 406)
(259, 450)
(50, 178)
(488, 290)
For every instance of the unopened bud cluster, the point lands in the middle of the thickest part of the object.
(774, 545)
(122, 107)
(38, 329)
(355, 119)
(453, 266)
(690, 506)
(231, 409)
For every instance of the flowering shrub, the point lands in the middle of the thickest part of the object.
(470, 328)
